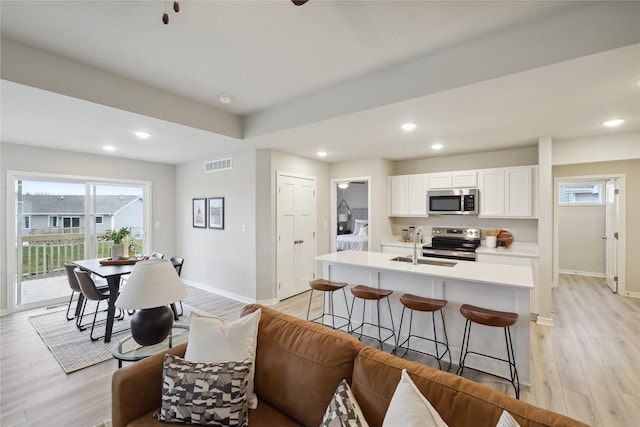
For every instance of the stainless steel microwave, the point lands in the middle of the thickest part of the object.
(461, 201)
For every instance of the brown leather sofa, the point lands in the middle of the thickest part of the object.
(299, 364)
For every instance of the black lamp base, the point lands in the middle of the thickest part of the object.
(151, 326)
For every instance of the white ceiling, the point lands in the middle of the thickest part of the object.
(309, 78)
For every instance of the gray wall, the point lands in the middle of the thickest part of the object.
(33, 159)
(580, 245)
(219, 259)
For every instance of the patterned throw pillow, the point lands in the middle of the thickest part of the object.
(205, 393)
(343, 410)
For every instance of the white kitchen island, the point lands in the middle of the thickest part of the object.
(493, 286)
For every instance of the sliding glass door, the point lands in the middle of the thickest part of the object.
(62, 220)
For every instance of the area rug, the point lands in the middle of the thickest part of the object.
(73, 349)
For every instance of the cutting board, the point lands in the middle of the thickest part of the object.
(505, 237)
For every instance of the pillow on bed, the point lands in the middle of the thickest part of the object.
(364, 231)
(359, 223)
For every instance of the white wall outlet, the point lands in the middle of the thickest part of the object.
(156, 224)
(204, 271)
(244, 227)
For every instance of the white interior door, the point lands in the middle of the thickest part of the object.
(611, 235)
(296, 219)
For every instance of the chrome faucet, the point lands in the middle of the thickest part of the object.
(417, 231)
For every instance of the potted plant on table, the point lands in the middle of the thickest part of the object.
(117, 250)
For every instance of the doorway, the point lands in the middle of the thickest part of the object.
(59, 219)
(589, 228)
(351, 214)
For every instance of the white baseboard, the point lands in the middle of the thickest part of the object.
(3, 312)
(632, 294)
(220, 292)
(546, 321)
(581, 273)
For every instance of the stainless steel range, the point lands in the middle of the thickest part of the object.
(453, 243)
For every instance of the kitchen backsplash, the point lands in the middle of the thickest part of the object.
(523, 230)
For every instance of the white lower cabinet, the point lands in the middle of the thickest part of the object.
(516, 260)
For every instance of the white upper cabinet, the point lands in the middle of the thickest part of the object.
(508, 192)
(408, 195)
(439, 180)
(457, 179)
(464, 179)
(398, 195)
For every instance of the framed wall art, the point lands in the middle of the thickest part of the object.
(216, 213)
(199, 213)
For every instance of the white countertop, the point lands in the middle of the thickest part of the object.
(517, 249)
(504, 275)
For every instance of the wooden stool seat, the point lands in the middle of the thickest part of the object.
(366, 292)
(418, 303)
(494, 318)
(326, 285)
(484, 316)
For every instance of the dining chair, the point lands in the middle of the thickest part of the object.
(156, 255)
(177, 263)
(91, 292)
(75, 287)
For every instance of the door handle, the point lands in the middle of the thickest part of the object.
(604, 237)
(297, 242)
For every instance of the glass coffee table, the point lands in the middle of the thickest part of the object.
(127, 350)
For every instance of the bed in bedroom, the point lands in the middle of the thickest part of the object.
(358, 240)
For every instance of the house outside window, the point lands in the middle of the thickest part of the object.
(581, 193)
(26, 222)
(70, 221)
(53, 221)
(98, 219)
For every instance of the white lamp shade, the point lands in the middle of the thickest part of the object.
(152, 283)
(343, 217)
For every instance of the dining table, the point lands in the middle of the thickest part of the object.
(113, 274)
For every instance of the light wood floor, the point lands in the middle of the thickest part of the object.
(587, 366)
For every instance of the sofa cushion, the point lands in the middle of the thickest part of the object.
(299, 364)
(205, 393)
(460, 402)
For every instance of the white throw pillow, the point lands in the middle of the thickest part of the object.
(358, 224)
(409, 408)
(213, 340)
(506, 420)
(364, 231)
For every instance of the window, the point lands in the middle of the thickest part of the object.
(53, 221)
(26, 222)
(98, 220)
(70, 221)
(581, 193)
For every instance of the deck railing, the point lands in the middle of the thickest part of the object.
(45, 255)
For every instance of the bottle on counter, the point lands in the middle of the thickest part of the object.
(132, 249)
(405, 235)
(412, 232)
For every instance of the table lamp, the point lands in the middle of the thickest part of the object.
(152, 285)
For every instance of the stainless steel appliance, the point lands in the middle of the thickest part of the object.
(461, 201)
(453, 243)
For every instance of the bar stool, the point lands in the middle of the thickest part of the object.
(325, 286)
(427, 305)
(366, 293)
(493, 318)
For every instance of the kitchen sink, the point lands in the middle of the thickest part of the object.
(425, 261)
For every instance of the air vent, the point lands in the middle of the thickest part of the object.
(218, 165)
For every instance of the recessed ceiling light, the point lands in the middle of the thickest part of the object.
(613, 123)
(109, 147)
(142, 134)
(408, 127)
(322, 153)
(437, 146)
(225, 99)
